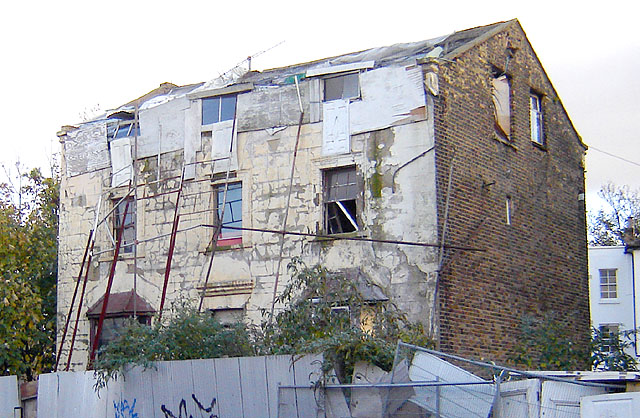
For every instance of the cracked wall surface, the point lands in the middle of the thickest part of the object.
(396, 201)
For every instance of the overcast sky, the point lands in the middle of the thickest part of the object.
(62, 58)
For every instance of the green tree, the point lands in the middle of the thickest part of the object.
(608, 350)
(607, 226)
(188, 334)
(544, 344)
(28, 274)
(325, 313)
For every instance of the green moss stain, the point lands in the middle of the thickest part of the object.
(375, 184)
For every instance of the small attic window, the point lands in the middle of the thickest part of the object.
(342, 87)
(123, 129)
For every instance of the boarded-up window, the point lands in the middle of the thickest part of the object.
(502, 106)
(536, 119)
(341, 87)
(335, 128)
(340, 197)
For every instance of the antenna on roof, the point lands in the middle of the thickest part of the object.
(262, 52)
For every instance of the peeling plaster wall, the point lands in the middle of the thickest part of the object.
(398, 202)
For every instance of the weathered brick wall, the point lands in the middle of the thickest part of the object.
(536, 265)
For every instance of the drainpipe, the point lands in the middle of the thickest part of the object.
(633, 294)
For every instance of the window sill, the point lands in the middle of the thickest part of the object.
(505, 142)
(334, 237)
(230, 244)
(615, 301)
(539, 146)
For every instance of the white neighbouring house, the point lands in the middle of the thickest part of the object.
(614, 289)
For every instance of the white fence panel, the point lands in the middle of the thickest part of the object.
(520, 399)
(562, 400)
(615, 405)
(450, 401)
(226, 387)
(8, 395)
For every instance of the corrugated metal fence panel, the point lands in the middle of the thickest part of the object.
(8, 395)
(562, 400)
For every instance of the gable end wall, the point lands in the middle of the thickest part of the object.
(538, 264)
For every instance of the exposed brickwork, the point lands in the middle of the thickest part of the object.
(538, 263)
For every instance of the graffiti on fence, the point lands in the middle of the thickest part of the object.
(125, 410)
(183, 411)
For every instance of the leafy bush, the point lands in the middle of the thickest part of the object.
(544, 344)
(189, 334)
(608, 350)
(324, 313)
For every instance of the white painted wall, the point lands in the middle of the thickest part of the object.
(620, 310)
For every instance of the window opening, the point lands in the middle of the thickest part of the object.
(501, 94)
(609, 334)
(123, 130)
(537, 132)
(232, 212)
(508, 209)
(341, 87)
(218, 109)
(341, 192)
(129, 231)
(608, 284)
(119, 312)
(228, 316)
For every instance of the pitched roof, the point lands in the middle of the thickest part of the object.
(122, 304)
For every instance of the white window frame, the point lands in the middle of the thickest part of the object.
(606, 284)
(536, 118)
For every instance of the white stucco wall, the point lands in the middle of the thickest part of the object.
(614, 311)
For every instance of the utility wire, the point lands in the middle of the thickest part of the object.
(614, 156)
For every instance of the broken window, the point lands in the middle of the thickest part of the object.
(122, 129)
(608, 284)
(537, 132)
(232, 216)
(341, 87)
(341, 193)
(501, 94)
(218, 109)
(129, 231)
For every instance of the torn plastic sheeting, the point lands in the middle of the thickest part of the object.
(121, 162)
(86, 149)
(389, 53)
(162, 128)
(222, 136)
(388, 95)
(192, 137)
(335, 127)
